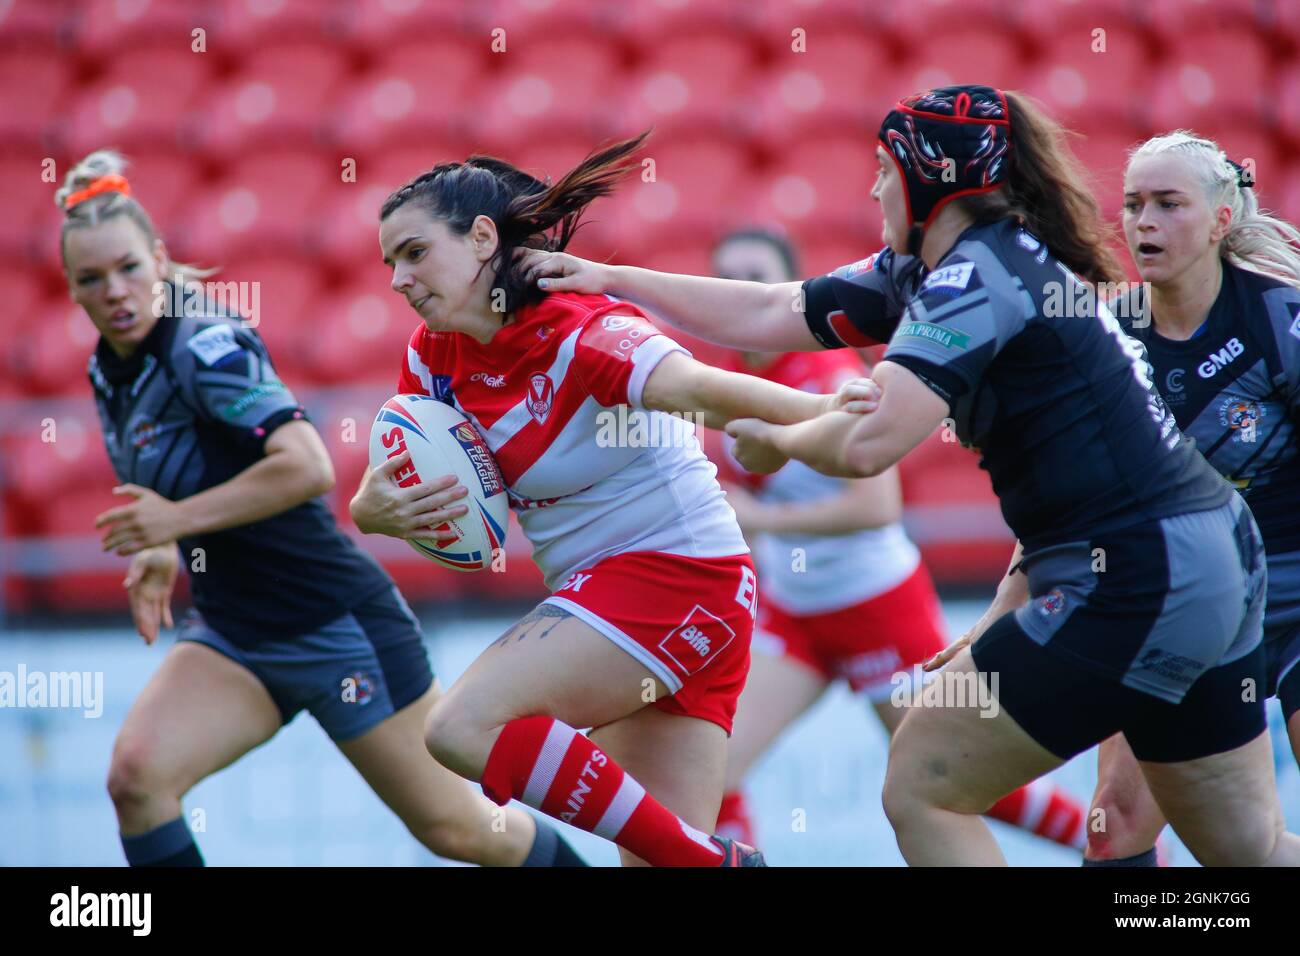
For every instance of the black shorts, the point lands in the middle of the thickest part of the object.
(1154, 629)
(1067, 708)
(1282, 651)
(351, 674)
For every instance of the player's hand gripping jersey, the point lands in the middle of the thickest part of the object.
(1061, 405)
(586, 481)
(838, 571)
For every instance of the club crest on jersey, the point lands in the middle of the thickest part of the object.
(541, 394)
(476, 449)
(1052, 603)
(1240, 413)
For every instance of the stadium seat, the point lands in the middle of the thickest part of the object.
(1104, 153)
(164, 183)
(130, 109)
(281, 95)
(246, 24)
(286, 287)
(30, 219)
(701, 82)
(547, 89)
(1209, 74)
(414, 89)
(103, 30)
(916, 24)
(968, 54)
(357, 333)
(52, 354)
(34, 85)
(1173, 17)
(1082, 88)
(823, 184)
(1284, 106)
(56, 451)
(842, 82)
(648, 25)
(267, 201)
(375, 25)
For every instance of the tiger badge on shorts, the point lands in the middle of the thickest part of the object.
(1052, 603)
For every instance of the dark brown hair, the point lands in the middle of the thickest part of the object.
(1047, 190)
(528, 212)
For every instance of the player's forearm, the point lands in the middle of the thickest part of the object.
(821, 443)
(276, 483)
(723, 396)
(730, 312)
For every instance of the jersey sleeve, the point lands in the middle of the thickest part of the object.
(955, 326)
(1283, 307)
(235, 386)
(859, 305)
(615, 354)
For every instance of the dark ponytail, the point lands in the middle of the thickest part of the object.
(528, 212)
(1046, 189)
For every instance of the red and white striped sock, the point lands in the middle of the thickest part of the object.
(553, 768)
(1045, 810)
(734, 821)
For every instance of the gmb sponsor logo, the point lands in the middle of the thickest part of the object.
(1220, 359)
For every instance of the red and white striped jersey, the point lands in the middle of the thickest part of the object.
(541, 393)
(814, 574)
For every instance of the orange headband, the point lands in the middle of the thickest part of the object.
(112, 183)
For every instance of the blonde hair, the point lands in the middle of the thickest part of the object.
(1256, 239)
(107, 205)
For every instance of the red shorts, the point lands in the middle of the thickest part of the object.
(866, 643)
(688, 620)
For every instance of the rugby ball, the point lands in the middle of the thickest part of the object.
(442, 441)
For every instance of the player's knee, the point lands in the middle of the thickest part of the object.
(450, 734)
(1251, 843)
(133, 775)
(454, 839)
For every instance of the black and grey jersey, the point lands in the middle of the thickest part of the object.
(1057, 399)
(191, 408)
(1234, 388)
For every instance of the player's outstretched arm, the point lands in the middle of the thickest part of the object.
(681, 384)
(847, 445)
(743, 315)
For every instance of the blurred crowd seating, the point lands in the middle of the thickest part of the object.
(764, 112)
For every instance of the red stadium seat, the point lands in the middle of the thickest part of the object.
(164, 183)
(282, 94)
(1211, 74)
(961, 54)
(551, 88)
(377, 24)
(824, 185)
(30, 222)
(1284, 105)
(1047, 22)
(243, 24)
(842, 82)
(696, 183)
(51, 357)
(34, 85)
(1104, 154)
(1287, 199)
(1172, 17)
(701, 81)
(1249, 142)
(916, 23)
(267, 201)
(105, 29)
(57, 453)
(415, 89)
(34, 23)
(1082, 88)
(648, 24)
(357, 333)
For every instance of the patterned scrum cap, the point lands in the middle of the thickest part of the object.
(948, 142)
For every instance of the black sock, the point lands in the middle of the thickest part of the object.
(171, 844)
(1141, 859)
(550, 849)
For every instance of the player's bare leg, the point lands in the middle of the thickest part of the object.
(948, 765)
(442, 810)
(1124, 821)
(678, 759)
(199, 712)
(510, 721)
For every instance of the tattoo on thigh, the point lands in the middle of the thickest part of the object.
(541, 620)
